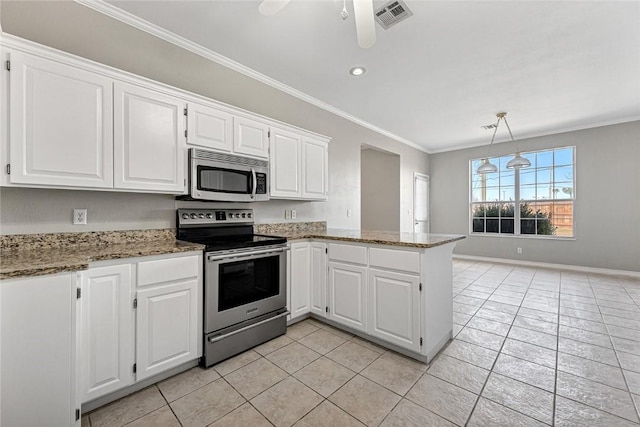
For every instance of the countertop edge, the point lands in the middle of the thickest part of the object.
(372, 241)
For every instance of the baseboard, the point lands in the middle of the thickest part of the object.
(580, 268)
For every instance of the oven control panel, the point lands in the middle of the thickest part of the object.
(214, 216)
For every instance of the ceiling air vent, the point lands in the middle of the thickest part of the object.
(392, 13)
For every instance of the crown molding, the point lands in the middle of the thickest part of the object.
(157, 31)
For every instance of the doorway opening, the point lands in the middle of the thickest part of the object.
(420, 203)
(379, 190)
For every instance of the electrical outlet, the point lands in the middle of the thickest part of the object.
(519, 250)
(409, 212)
(79, 217)
(287, 214)
(293, 214)
(348, 212)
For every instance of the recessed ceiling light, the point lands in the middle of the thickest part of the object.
(357, 71)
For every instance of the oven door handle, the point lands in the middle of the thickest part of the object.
(244, 255)
(254, 181)
(237, 331)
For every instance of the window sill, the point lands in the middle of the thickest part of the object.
(523, 236)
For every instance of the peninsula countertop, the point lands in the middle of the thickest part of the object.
(413, 240)
(38, 255)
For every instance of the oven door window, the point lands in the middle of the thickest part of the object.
(244, 282)
(222, 180)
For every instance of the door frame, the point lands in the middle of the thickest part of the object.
(417, 175)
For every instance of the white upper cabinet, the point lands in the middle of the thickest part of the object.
(209, 127)
(148, 140)
(250, 137)
(284, 159)
(315, 169)
(60, 124)
(298, 165)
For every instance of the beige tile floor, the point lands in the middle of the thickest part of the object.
(532, 347)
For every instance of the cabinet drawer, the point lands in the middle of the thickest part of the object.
(348, 253)
(395, 259)
(167, 270)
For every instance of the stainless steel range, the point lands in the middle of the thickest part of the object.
(244, 280)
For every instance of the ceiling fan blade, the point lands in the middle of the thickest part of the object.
(365, 24)
(271, 7)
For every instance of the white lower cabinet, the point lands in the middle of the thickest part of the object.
(347, 294)
(138, 320)
(394, 308)
(107, 338)
(318, 283)
(166, 327)
(299, 277)
(38, 339)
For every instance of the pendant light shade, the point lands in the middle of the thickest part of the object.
(487, 167)
(518, 162)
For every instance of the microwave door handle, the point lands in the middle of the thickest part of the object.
(254, 181)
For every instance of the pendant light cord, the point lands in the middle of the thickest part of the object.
(494, 137)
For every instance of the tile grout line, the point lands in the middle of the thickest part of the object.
(615, 352)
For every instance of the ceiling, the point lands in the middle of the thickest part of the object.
(434, 79)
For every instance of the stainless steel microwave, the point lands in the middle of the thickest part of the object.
(227, 177)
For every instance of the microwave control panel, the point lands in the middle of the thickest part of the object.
(261, 183)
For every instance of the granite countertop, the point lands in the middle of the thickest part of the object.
(412, 240)
(36, 255)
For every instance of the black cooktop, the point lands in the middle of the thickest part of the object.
(222, 243)
(221, 229)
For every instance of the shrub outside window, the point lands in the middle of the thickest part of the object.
(535, 201)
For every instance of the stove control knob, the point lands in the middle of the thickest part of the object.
(244, 215)
(185, 216)
(209, 216)
(249, 215)
(201, 216)
(193, 216)
(231, 215)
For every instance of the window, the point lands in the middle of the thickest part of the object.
(535, 201)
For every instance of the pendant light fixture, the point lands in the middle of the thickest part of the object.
(516, 163)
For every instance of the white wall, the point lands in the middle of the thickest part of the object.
(607, 205)
(380, 190)
(73, 28)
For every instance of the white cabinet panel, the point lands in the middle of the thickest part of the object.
(318, 278)
(394, 303)
(300, 275)
(61, 124)
(168, 269)
(107, 349)
(38, 360)
(348, 295)
(166, 330)
(209, 127)
(250, 137)
(348, 253)
(315, 169)
(285, 155)
(395, 259)
(148, 140)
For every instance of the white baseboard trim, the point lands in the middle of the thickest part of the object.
(608, 271)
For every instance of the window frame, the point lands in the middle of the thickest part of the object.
(517, 201)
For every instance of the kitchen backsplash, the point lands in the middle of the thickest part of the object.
(291, 227)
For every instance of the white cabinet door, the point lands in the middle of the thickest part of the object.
(149, 140)
(166, 330)
(107, 349)
(300, 275)
(61, 124)
(38, 351)
(394, 308)
(250, 137)
(285, 164)
(209, 127)
(348, 295)
(318, 278)
(315, 170)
